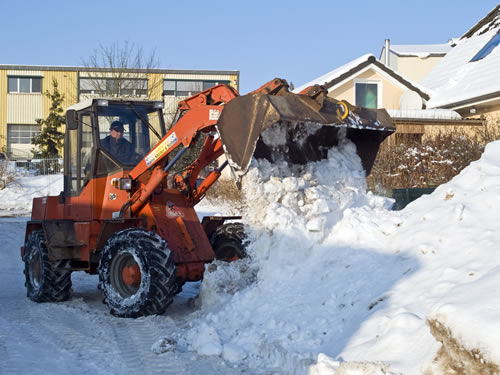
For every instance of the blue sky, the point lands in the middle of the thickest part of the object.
(295, 40)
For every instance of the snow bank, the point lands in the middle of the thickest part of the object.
(466, 318)
(342, 285)
(465, 321)
(18, 196)
(302, 297)
(453, 237)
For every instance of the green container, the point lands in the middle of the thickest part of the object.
(405, 196)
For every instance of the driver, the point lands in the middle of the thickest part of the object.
(116, 145)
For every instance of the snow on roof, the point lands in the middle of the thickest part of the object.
(420, 50)
(80, 105)
(432, 114)
(335, 73)
(456, 79)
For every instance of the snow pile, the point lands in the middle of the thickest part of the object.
(292, 311)
(343, 285)
(18, 196)
(465, 321)
(451, 241)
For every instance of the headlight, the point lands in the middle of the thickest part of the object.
(122, 183)
(125, 183)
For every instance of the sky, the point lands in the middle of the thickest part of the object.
(294, 40)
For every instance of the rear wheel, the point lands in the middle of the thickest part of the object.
(228, 242)
(137, 273)
(46, 281)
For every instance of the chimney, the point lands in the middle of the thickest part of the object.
(387, 47)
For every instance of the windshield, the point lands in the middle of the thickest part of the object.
(127, 132)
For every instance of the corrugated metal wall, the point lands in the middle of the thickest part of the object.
(131, 75)
(232, 78)
(155, 86)
(196, 76)
(24, 108)
(67, 84)
(26, 73)
(3, 109)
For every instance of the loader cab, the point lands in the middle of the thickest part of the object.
(88, 139)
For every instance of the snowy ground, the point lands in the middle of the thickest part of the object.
(337, 284)
(80, 336)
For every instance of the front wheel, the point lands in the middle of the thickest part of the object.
(46, 280)
(228, 242)
(137, 273)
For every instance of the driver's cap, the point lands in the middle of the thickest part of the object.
(116, 125)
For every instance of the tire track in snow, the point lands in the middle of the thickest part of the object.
(83, 339)
(80, 336)
(134, 338)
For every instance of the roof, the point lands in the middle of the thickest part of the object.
(92, 69)
(420, 50)
(89, 101)
(338, 76)
(456, 81)
(485, 24)
(428, 114)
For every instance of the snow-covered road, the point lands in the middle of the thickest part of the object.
(80, 336)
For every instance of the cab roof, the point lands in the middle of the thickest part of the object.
(89, 102)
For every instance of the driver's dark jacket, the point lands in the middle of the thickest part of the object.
(120, 149)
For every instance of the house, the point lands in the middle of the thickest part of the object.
(467, 79)
(367, 82)
(22, 88)
(414, 61)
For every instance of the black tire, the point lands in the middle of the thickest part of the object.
(228, 242)
(46, 281)
(153, 290)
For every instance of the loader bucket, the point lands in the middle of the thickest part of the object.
(297, 129)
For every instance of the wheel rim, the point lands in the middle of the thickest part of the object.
(125, 274)
(35, 271)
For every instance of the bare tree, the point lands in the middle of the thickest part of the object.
(119, 70)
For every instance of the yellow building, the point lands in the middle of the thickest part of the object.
(22, 88)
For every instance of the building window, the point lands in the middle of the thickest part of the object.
(24, 85)
(114, 87)
(172, 87)
(366, 95)
(486, 50)
(21, 134)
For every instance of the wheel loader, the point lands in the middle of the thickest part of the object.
(130, 218)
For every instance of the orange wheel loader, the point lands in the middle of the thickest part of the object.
(129, 216)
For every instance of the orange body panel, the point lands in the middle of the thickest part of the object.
(47, 208)
(178, 223)
(83, 235)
